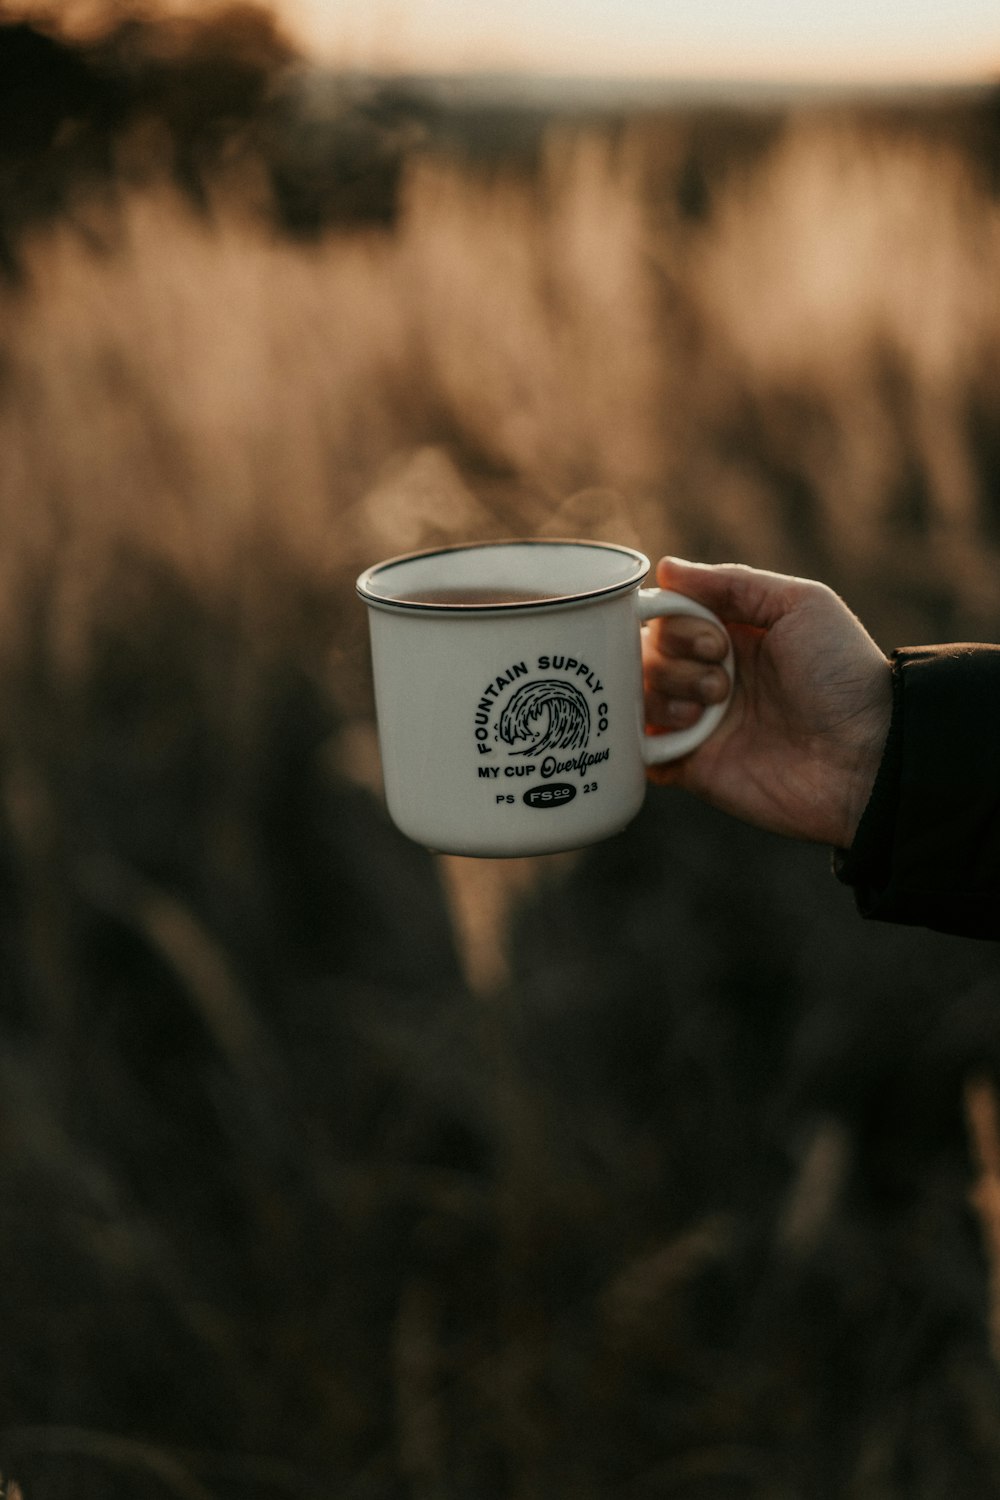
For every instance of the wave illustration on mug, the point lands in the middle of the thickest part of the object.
(549, 714)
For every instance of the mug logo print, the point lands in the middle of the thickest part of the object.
(549, 714)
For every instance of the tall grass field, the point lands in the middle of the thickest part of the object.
(331, 1169)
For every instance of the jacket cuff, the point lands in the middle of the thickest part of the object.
(927, 849)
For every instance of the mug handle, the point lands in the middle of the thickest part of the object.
(673, 743)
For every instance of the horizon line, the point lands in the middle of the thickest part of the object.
(534, 78)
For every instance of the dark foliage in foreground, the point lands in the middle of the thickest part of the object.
(288, 1212)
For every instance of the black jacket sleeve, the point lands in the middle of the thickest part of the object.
(927, 850)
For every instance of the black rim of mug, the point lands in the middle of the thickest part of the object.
(365, 582)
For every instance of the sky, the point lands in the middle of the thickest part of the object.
(920, 41)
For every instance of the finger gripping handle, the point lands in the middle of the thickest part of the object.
(671, 745)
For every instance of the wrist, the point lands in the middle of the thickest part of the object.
(869, 732)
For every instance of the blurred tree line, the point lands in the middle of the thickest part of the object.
(191, 99)
(229, 94)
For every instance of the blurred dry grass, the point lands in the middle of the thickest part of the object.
(332, 1169)
(807, 377)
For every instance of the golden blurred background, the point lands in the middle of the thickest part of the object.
(331, 1168)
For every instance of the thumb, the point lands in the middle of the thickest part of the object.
(738, 595)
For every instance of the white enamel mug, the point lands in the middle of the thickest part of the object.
(509, 696)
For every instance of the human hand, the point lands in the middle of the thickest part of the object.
(799, 748)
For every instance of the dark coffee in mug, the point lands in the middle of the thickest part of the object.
(473, 598)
